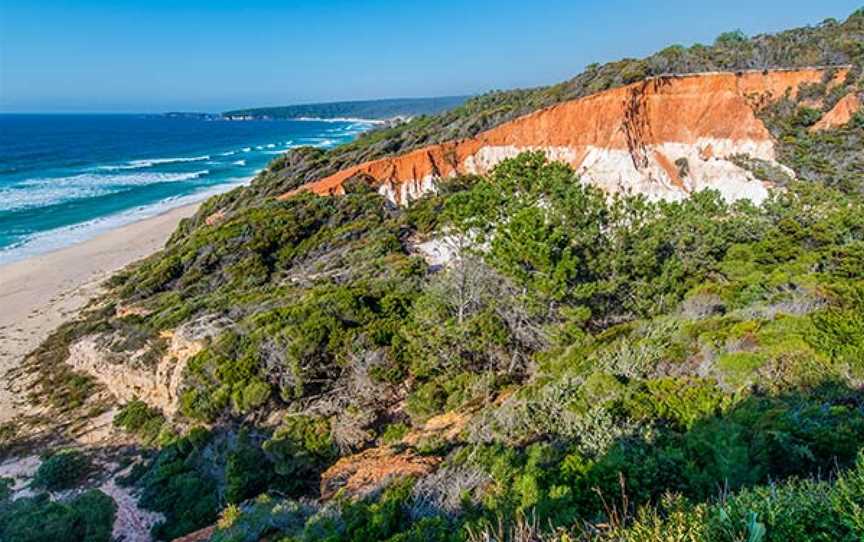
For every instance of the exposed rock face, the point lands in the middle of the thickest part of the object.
(370, 470)
(840, 114)
(437, 252)
(363, 473)
(628, 138)
(215, 218)
(127, 378)
(444, 427)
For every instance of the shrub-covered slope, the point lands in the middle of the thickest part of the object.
(517, 356)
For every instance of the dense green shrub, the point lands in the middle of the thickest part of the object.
(301, 448)
(248, 471)
(394, 432)
(88, 517)
(212, 469)
(752, 442)
(795, 510)
(62, 470)
(179, 484)
(137, 417)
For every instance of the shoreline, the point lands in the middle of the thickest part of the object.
(357, 120)
(41, 292)
(334, 120)
(45, 242)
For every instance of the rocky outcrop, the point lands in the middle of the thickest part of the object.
(370, 470)
(127, 377)
(628, 138)
(840, 114)
(443, 428)
(364, 473)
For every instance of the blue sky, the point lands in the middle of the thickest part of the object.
(101, 55)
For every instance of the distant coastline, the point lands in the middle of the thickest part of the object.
(360, 111)
(239, 118)
(343, 119)
(375, 112)
(250, 118)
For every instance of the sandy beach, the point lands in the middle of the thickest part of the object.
(40, 293)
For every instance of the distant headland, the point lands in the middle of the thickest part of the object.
(360, 110)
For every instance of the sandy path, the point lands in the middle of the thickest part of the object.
(132, 524)
(39, 293)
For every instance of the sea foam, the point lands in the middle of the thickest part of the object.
(46, 241)
(42, 192)
(142, 164)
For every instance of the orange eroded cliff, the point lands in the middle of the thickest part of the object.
(840, 114)
(628, 138)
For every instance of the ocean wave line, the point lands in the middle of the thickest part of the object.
(43, 192)
(141, 164)
(45, 241)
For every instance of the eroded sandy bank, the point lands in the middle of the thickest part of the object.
(39, 293)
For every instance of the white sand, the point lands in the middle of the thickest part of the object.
(40, 293)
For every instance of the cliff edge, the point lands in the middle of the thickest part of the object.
(664, 137)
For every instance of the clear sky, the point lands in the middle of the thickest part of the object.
(212, 55)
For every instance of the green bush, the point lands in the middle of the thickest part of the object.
(179, 483)
(248, 471)
(139, 418)
(394, 432)
(683, 401)
(426, 401)
(301, 448)
(740, 366)
(795, 510)
(62, 470)
(88, 517)
(731, 38)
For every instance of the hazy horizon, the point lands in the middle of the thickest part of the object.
(93, 56)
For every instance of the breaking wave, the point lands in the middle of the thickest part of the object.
(142, 164)
(43, 192)
(57, 238)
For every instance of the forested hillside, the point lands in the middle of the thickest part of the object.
(518, 356)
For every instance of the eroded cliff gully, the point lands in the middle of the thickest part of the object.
(664, 137)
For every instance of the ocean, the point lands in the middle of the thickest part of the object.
(67, 178)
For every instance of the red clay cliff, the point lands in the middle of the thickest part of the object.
(630, 138)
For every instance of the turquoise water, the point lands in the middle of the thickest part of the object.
(66, 178)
